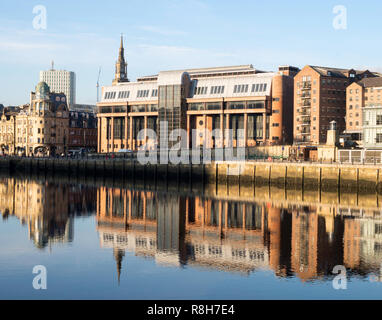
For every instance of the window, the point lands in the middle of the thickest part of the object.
(110, 95)
(154, 93)
(240, 88)
(379, 120)
(143, 93)
(217, 90)
(200, 90)
(378, 138)
(123, 94)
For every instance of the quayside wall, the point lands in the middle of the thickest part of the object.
(306, 176)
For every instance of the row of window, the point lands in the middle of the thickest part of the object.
(143, 93)
(217, 90)
(110, 95)
(126, 94)
(200, 90)
(123, 94)
(241, 88)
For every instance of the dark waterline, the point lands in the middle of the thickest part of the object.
(101, 241)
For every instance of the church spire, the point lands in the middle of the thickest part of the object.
(118, 255)
(121, 66)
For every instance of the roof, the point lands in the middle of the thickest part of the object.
(172, 78)
(371, 82)
(336, 72)
(212, 71)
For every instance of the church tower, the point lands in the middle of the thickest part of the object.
(121, 66)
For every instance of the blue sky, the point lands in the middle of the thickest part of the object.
(159, 35)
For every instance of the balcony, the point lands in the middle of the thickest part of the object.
(306, 85)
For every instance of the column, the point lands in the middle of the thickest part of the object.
(131, 133)
(99, 135)
(245, 129)
(112, 134)
(107, 135)
(264, 126)
(188, 131)
(145, 128)
(222, 130)
(228, 138)
(206, 143)
(126, 142)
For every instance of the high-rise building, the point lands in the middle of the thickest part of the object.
(61, 81)
(320, 98)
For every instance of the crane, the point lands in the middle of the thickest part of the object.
(99, 74)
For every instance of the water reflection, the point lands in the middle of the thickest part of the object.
(292, 236)
(239, 236)
(46, 208)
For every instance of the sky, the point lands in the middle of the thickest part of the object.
(84, 35)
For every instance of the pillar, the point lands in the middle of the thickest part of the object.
(99, 147)
(126, 142)
(131, 133)
(222, 130)
(264, 126)
(145, 128)
(245, 129)
(112, 134)
(189, 131)
(228, 142)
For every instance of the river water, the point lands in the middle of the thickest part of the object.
(101, 241)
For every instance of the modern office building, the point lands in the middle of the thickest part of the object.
(238, 97)
(61, 81)
(361, 94)
(320, 98)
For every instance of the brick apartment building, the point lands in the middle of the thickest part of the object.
(319, 98)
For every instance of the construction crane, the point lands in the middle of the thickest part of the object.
(99, 75)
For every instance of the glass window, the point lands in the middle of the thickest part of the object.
(236, 105)
(255, 105)
(213, 106)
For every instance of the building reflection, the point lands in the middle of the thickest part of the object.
(237, 236)
(47, 209)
